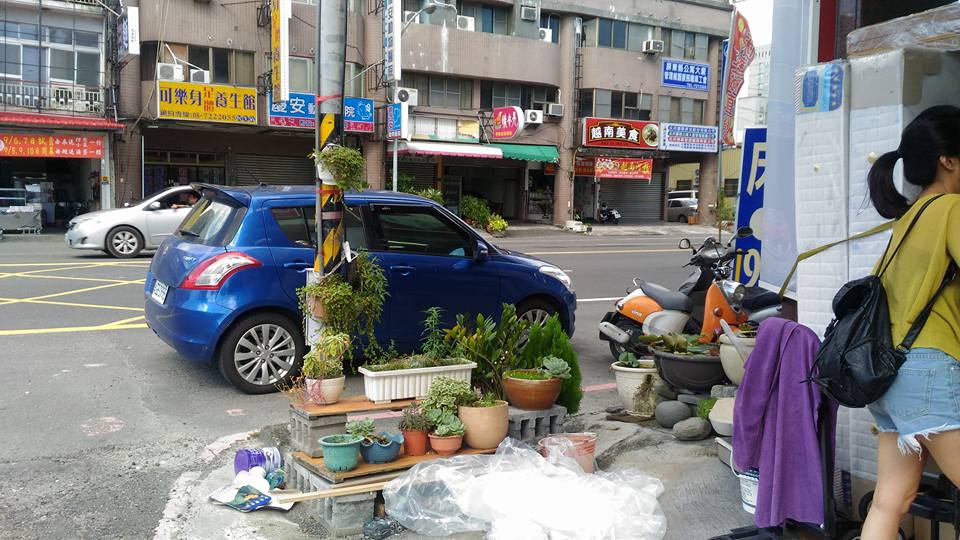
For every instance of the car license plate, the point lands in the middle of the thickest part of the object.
(159, 292)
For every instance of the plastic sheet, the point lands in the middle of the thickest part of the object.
(937, 28)
(517, 493)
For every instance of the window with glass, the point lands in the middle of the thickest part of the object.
(439, 91)
(687, 45)
(730, 187)
(62, 55)
(301, 74)
(226, 66)
(493, 95)
(354, 80)
(551, 21)
(493, 20)
(615, 104)
(616, 34)
(681, 110)
(420, 231)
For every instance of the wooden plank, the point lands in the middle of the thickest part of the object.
(336, 492)
(366, 469)
(349, 405)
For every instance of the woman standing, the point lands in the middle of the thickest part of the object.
(919, 416)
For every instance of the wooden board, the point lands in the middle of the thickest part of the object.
(349, 405)
(366, 469)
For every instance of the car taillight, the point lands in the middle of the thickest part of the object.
(211, 274)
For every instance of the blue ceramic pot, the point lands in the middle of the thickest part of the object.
(382, 453)
(340, 452)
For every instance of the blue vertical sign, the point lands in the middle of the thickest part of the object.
(397, 127)
(753, 164)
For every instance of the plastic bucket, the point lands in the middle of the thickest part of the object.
(579, 446)
(749, 485)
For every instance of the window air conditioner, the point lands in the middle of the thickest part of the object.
(554, 109)
(466, 23)
(533, 116)
(200, 76)
(546, 34)
(409, 95)
(652, 46)
(528, 13)
(170, 72)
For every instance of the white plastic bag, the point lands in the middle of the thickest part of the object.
(517, 493)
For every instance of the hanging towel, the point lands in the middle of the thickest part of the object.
(775, 424)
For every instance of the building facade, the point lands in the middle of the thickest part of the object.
(606, 79)
(57, 114)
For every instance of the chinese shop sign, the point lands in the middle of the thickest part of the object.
(610, 133)
(52, 146)
(207, 103)
(507, 122)
(624, 168)
(300, 111)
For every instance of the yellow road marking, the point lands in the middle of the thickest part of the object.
(67, 278)
(74, 264)
(73, 304)
(61, 267)
(65, 293)
(34, 331)
(122, 323)
(602, 251)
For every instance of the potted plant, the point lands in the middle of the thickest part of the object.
(536, 389)
(447, 436)
(340, 452)
(494, 345)
(497, 226)
(323, 368)
(345, 164)
(412, 376)
(414, 426)
(375, 447)
(636, 382)
(484, 417)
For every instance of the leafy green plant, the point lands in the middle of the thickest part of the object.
(414, 420)
(555, 368)
(630, 360)
(325, 359)
(475, 209)
(366, 430)
(704, 408)
(346, 165)
(448, 425)
(551, 340)
(433, 344)
(681, 344)
(477, 398)
(529, 375)
(405, 183)
(491, 345)
(415, 361)
(445, 394)
(496, 223)
(433, 194)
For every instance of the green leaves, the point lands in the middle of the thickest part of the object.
(346, 165)
(556, 368)
(551, 340)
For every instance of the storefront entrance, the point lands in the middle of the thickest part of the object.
(635, 199)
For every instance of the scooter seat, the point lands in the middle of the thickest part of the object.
(670, 300)
(756, 298)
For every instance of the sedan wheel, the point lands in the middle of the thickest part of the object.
(261, 352)
(536, 312)
(124, 242)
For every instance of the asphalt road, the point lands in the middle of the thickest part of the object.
(100, 418)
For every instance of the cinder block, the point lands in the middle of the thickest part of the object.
(341, 516)
(306, 430)
(531, 426)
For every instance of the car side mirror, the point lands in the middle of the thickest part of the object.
(155, 205)
(684, 244)
(483, 252)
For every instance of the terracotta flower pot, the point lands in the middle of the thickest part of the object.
(414, 443)
(317, 310)
(486, 426)
(446, 446)
(530, 394)
(324, 391)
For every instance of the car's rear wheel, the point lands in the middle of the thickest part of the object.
(261, 353)
(124, 242)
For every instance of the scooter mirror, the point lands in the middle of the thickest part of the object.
(684, 244)
(744, 232)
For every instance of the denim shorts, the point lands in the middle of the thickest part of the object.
(923, 401)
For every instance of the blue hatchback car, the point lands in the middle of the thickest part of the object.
(223, 287)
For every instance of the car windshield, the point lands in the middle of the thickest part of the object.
(211, 222)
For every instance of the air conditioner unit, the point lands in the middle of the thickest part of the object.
(533, 116)
(546, 34)
(200, 76)
(410, 16)
(528, 13)
(466, 23)
(554, 109)
(409, 95)
(652, 46)
(170, 72)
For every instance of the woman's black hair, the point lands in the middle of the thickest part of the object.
(934, 133)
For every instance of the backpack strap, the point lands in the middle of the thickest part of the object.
(884, 266)
(921, 319)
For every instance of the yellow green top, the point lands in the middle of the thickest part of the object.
(917, 271)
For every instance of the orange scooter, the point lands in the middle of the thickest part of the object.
(649, 309)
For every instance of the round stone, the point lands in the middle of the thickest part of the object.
(692, 429)
(669, 413)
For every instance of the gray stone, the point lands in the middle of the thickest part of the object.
(669, 413)
(614, 410)
(692, 399)
(723, 391)
(664, 389)
(692, 429)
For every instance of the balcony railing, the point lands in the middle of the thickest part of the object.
(63, 98)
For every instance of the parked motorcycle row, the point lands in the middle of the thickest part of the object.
(707, 299)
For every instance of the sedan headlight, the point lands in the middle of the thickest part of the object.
(733, 291)
(557, 274)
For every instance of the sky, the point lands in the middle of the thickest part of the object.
(759, 14)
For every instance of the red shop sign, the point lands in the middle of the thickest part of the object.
(52, 146)
(624, 168)
(610, 133)
(507, 122)
(582, 167)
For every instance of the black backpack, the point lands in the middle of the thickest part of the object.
(857, 361)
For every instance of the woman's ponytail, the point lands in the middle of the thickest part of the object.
(883, 192)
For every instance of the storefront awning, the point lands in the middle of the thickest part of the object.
(529, 152)
(448, 149)
(58, 121)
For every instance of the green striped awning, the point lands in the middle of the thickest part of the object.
(529, 152)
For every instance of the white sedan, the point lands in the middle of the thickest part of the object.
(125, 232)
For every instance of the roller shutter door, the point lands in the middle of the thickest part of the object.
(424, 173)
(275, 170)
(635, 199)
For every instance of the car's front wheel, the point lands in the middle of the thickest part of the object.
(261, 353)
(535, 311)
(124, 242)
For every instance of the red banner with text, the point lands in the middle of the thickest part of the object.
(624, 168)
(52, 146)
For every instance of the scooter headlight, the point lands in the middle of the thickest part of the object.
(733, 291)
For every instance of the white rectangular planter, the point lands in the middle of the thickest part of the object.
(382, 386)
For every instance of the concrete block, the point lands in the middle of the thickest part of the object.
(341, 516)
(306, 430)
(531, 426)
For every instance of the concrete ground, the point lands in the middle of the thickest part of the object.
(109, 433)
